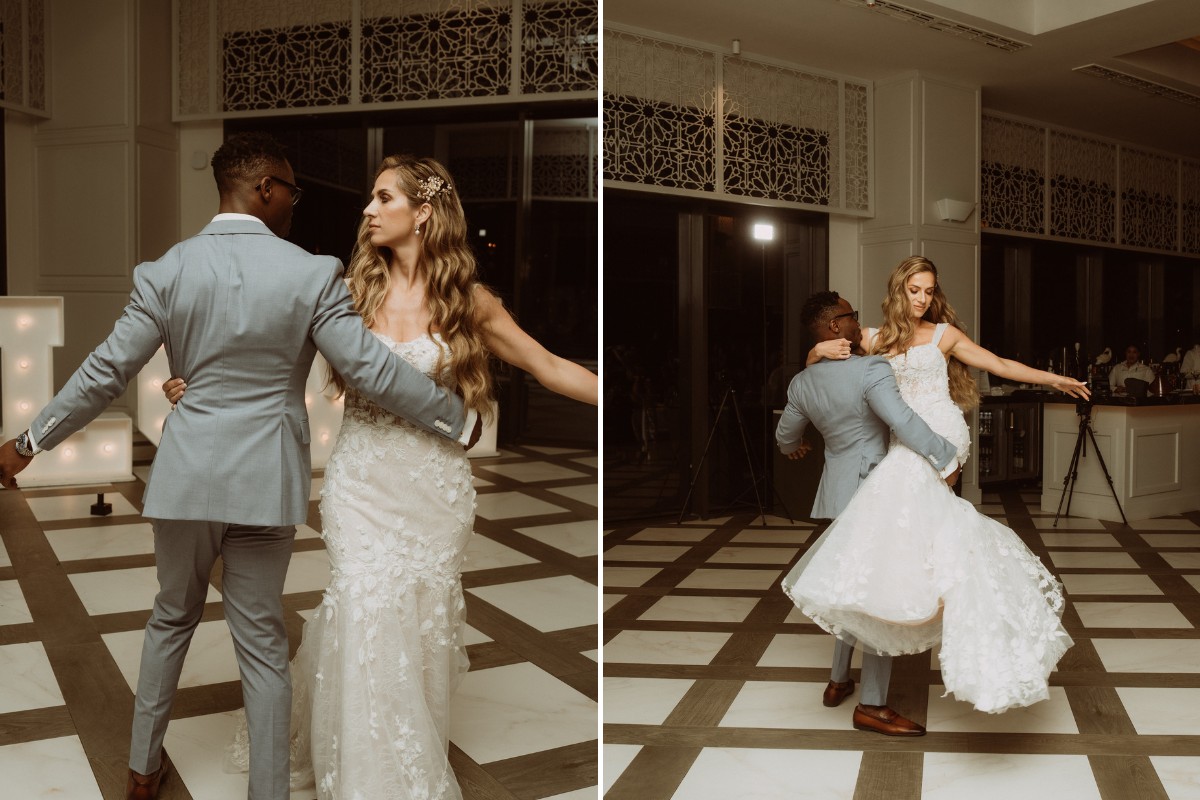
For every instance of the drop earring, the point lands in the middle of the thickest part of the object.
(417, 229)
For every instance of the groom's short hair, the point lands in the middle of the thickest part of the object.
(818, 308)
(246, 157)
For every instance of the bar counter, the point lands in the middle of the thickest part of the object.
(1151, 449)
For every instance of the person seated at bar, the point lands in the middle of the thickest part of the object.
(1131, 367)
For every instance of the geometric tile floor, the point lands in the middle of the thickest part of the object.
(75, 594)
(713, 680)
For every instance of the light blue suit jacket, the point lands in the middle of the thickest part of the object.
(853, 403)
(242, 314)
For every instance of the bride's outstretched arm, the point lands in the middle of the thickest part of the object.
(510, 344)
(957, 344)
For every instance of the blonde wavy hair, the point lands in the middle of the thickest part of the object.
(899, 326)
(450, 271)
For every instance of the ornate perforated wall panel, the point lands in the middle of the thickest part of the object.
(1082, 188)
(564, 163)
(1099, 191)
(1149, 200)
(238, 57)
(1012, 176)
(484, 162)
(781, 134)
(23, 55)
(1189, 207)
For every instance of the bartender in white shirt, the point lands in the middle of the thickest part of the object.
(1191, 363)
(1131, 367)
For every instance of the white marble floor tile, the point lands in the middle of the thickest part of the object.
(642, 701)
(752, 555)
(29, 680)
(615, 759)
(993, 776)
(305, 532)
(48, 768)
(628, 576)
(5, 561)
(588, 461)
(1064, 559)
(13, 610)
(1149, 655)
(509, 711)
(550, 451)
(1171, 539)
(1101, 583)
(117, 590)
(990, 508)
(803, 650)
(1162, 711)
(786, 704)
(586, 493)
(796, 615)
(307, 572)
(533, 471)
(671, 535)
(485, 553)
(75, 544)
(1194, 580)
(773, 520)
(645, 552)
(701, 609)
(209, 660)
(721, 773)
(143, 473)
(1180, 776)
(506, 505)
(730, 579)
(548, 604)
(575, 538)
(1067, 524)
(1079, 540)
(1131, 615)
(76, 506)
(307, 613)
(1165, 524)
(1053, 715)
(1182, 560)
(480, 483)
(664, 647)
(474, 636)
(314, 487)
(610, 600)
(796, 535)
(197, 749)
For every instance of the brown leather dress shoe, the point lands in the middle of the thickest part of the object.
(881, 719)
(835, 693)
(145, 787)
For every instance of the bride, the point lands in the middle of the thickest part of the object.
(383, 652)
(908, 564)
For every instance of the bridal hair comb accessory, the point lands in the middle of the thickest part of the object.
(431, 187)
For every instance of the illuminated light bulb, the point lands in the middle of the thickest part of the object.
(24, 322)
(108, 448)
(68, 452)
(324, 437)
(156, 383)
(23, 363)
(23, 405)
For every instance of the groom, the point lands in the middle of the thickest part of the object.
(854, 403)
(242, 314)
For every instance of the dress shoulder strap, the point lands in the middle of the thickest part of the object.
(939, 330)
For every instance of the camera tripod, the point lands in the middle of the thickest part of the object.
(1084, 410)
(730, 398)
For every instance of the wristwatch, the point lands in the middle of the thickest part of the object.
(23, 447)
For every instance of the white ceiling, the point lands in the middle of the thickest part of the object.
(1137, 37)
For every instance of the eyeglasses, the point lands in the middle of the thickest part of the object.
(853, 314)
(296, 191)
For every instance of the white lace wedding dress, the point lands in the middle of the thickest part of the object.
(383, 652)
(909, 564)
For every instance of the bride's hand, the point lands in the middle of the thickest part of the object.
(834, 349)
(174, 389)
(1070, 386)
